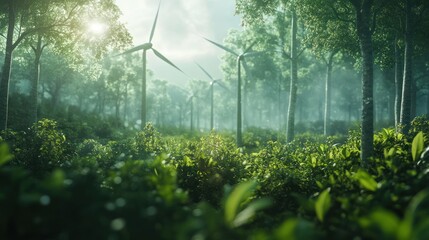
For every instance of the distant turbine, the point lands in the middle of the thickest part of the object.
(145, 47)
(213, 81)
(240, 59)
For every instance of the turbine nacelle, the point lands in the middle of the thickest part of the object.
(147, 46)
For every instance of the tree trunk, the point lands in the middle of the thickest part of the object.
(398, 84)
(327, 118)
(126, 103)
(239, 120)
(427, 103)
(211, 106)
(192, 114)
(290, 131)
(7, 66)
(407, 81)
(34, 94)
(363, 20)
(143, 100)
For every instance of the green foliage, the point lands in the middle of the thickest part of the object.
(254, 138)
(147, 142)
(208, 164)
(323, 204)
(41, 148)
(365, 180)
(417, 146)
(176, 187)
(420, 124)
(236, 214)
(296, 229)
(5, 155)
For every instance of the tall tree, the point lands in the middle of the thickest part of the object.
(405, 118)
(364, 18)
(256, 9)
(55, 21)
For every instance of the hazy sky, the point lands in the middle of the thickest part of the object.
(181, 23)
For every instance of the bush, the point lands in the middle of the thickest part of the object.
(207, 166)
(42, 148)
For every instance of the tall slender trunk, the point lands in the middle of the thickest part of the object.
(413, 97)
(239, 120)
(7, 66)
(279, 110)
(327, 117)
(363, 20)
(427, 103)
(398, 84)
(391, 98)
(405, 118)
(143, 100)
(34, 94)
(290, 132)
(245, 109)
(192, 113)
(211, 106)
(126, 103)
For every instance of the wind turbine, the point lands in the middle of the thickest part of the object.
(145, 47)
(213, 81)
(240, 59)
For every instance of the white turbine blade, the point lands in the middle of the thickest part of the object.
(163, 58)
(202, 69)
(152, 32)
(222, 47)
(134, 49)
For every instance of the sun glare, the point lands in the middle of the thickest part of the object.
(97, 28)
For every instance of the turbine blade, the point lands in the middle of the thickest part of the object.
(250, 47)
(163, 58)
(202, 69)
(251, 53)
(154, 23)
(223, 86)
(134, 49)
(222, 47)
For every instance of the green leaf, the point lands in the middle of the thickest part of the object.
(366, 180)
(296, 229)
(417, 146)
(411, 214)
(5, 155)
(245, 216)
(237, 196)
(323, 203)
(382, 220)
(287, 229)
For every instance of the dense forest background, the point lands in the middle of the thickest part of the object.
(317, 128)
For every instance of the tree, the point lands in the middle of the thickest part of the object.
(364, 17)
(55, 27)
(252, 10)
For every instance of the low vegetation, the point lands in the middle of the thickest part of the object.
(146, 185)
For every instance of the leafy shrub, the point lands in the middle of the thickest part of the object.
(42, 148)
(420, 124)
(253, 137)
(147, 143)
(207, 166)
(91, 151)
